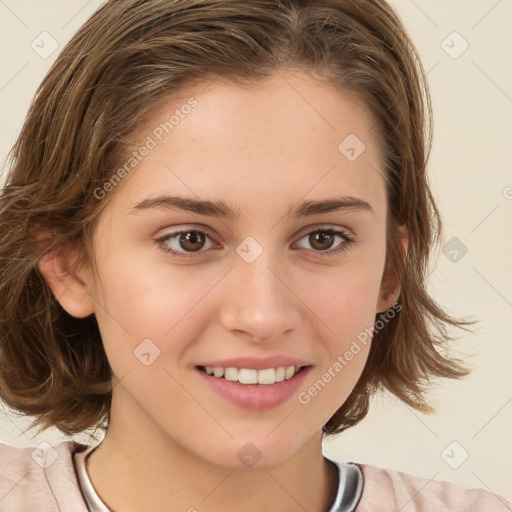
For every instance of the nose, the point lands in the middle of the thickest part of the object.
(258, 303)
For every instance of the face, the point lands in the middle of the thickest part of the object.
(256, 279)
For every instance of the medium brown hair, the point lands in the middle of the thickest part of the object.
(131, 56)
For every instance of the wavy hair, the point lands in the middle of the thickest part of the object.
(131, 56)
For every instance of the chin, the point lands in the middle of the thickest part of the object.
(256, 451)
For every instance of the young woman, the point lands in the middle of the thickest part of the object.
(214, 238)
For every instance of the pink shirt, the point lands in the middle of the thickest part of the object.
(44, 479)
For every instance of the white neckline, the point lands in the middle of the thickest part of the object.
(349, 484)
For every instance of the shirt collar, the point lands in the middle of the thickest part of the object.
(349, 484)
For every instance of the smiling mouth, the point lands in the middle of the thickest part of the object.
(267, 376)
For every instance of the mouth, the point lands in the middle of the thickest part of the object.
(248, 388)
(250, 376)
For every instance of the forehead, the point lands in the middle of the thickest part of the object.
(288, 137)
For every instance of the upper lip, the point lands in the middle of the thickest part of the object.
(256, 363)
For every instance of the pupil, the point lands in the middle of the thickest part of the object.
(322, 238)
(189, 239)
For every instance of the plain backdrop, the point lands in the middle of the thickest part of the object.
(465, 47)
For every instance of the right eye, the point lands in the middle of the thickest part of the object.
(184, 243)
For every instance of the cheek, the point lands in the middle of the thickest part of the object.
(345, 298)
(345, 301)
(149, 300)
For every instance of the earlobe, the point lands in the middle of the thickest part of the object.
(70, 289)
(390, 286)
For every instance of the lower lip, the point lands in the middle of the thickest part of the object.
(255, 396)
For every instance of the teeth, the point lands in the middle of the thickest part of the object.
(249, 376)
(246, 376)
(289, 372)
(231, 374)
(267, 376)
(218, 372)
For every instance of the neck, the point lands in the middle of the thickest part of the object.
(141, 469)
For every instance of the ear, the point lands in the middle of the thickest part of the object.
(390, 287)
(71, 289)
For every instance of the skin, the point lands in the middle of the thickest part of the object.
(259, 150)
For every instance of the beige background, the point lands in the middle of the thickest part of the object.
(471, 174)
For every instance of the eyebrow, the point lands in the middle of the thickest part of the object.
(223, 210)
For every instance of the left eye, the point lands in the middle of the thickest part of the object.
(186, 243)
(191, 240)
(322, 239)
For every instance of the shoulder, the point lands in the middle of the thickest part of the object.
(40, 478)
(389, 490)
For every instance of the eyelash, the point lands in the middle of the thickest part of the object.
(347, 239)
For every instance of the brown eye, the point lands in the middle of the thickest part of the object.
(324, 241)
(321, 240)
(185, 243)
(191, 241)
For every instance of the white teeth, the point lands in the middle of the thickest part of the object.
(280, 372)
(218, 372)
(231, 374)
(246, 376)
(267, 376)
(250, 376)
(290, 370)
